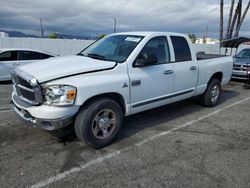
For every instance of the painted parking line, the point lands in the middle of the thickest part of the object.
(5, 110)
(118, 152)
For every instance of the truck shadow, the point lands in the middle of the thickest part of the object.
(152, 118)
(5, 82)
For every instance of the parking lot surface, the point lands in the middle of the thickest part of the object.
(179, 145)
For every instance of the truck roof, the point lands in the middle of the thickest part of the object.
(149, 33)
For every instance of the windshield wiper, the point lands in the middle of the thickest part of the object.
(80, 54)
(96, 56)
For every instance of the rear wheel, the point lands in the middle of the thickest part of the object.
(99, 122)
(212, 94)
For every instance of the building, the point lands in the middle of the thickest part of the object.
(207, 41)
(3, 34)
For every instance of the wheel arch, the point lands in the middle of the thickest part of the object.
(112, 95)
(217, 75)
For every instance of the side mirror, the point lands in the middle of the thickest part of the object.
(146, 59)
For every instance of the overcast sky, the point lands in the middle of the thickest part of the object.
(85, 17)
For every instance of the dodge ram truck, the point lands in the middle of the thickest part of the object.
(116, 76)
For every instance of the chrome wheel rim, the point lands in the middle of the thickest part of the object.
(104, 124)
(215, 92)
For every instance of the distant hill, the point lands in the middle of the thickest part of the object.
(18, 34)
(66, 36)
(60, 35)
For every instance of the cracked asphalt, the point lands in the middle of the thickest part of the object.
(211, 152)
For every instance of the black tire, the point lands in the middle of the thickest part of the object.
(207, 99)
(86, 120)
(64, 132)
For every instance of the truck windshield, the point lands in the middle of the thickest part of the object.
(112, 48)
(244, 54)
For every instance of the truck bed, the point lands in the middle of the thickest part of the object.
(203, 56)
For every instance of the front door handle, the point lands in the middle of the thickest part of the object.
(193, 68)
(168, 72)
(136, 82)
(15, 64)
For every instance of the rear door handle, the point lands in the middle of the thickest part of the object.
(168, 72)
(193, 68)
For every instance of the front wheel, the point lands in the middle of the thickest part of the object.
(99, 122)
(212, 94)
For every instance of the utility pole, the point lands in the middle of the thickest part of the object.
(205, 36)
(41, 24)
(114, 25)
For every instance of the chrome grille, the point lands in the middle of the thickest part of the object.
(241, 67)
(24, 88)
(24, 83)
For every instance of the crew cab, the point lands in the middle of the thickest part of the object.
(118, 75)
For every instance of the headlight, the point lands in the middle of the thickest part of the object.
(59, 95)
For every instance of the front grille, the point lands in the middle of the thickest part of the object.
(24, 90)
(28, 94)
(24, 83)
(240, 67)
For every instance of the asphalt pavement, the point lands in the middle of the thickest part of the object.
(179, 145)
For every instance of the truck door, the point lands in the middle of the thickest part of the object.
(186, 68)
(151, 76)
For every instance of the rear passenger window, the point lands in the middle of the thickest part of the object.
(181, 49)
(8, 56)
(28, 55)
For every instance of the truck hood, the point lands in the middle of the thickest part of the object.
(59, 67)
(242, 61)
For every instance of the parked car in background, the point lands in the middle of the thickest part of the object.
(241, 66)
(11, 58)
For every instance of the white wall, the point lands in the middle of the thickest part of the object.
(55, 46)
(70, 47)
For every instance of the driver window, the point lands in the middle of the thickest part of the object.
(156, 51)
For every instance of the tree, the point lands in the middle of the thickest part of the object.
(192, 37)
(242, 19)
(53, 36)
(239, 19)
(230, 19)
(236, 20)
(221, 19)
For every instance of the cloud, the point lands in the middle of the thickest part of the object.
(83, 17)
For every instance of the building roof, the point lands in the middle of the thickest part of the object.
(234, 42)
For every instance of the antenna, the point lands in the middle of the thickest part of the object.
(114, 25)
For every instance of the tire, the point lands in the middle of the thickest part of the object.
(212, 94)
(99, 122)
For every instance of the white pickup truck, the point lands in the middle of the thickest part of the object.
(118, 75)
